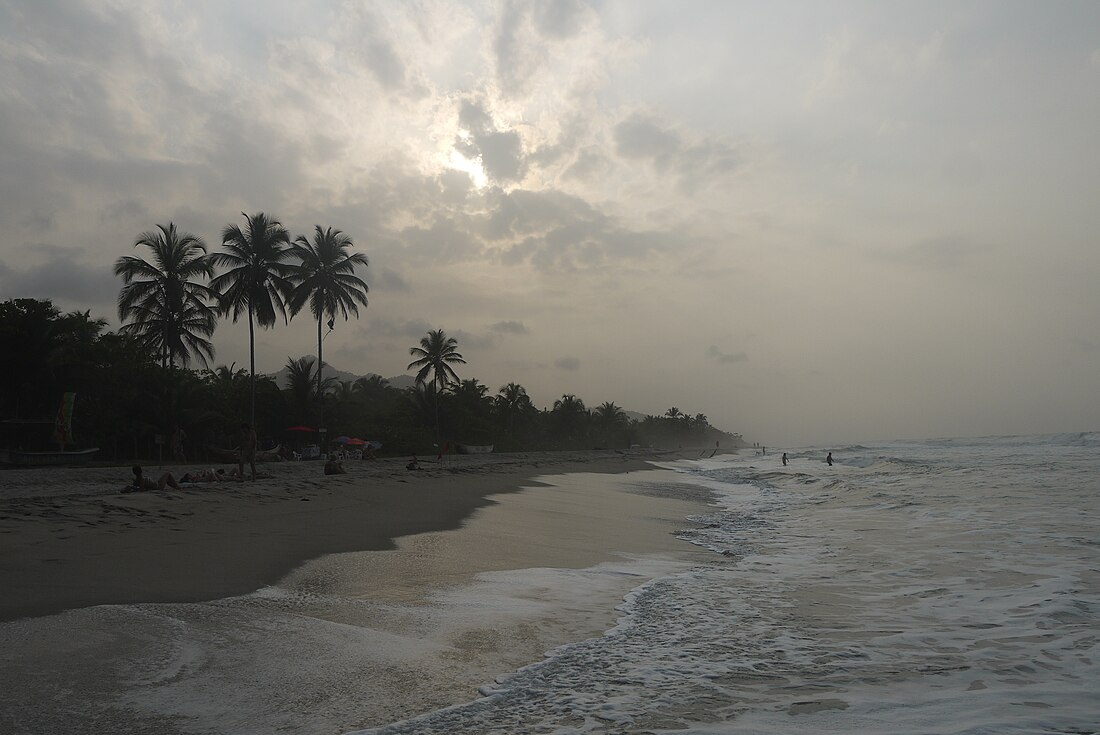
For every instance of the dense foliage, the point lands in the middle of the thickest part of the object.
(135, 386)
(126, 396)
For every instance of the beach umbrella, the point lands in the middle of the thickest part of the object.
(356, 442)
(301, 428)
(342, 439)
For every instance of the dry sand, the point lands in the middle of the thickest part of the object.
(69, 538)
(336, 639)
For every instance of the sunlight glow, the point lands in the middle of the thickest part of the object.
(471, 166)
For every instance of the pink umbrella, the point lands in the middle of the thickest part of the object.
(355, 442)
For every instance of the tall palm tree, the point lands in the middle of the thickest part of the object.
(325, 277)
(570, 415)
(167, 308)
(256, 280)
(301, 386)
(609, 415)
(512, 400)
(435, 355)
(610, 418)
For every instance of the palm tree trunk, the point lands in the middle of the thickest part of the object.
(436, 401)
(320, 366)
(252, 369)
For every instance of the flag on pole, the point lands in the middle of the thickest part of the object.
(63, 424)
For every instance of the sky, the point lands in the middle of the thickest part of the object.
(812, 222)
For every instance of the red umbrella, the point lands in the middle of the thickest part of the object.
(302, 428)
(355, 442)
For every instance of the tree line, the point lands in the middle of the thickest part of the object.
(137, 383)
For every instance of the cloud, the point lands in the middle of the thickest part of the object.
(556, 231)
(386, 279)
(941, 253)
(410, 328)
(694, 164)
(475, 341)
(500, 151)
(725, 358)
(63, 280)
(567, 363)
(509, 327)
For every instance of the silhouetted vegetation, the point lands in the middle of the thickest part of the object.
(137, 384)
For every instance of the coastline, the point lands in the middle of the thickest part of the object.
(70, 539)
(347, 639)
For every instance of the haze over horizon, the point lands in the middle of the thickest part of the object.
(813, 222)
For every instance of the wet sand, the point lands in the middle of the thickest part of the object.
(69, 538)
(349, 628)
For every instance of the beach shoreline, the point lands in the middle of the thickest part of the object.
(452, 577)
(69, 538)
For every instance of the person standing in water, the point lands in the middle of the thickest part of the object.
(784, 459)
(829, 459)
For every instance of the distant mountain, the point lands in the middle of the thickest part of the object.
(400, 382)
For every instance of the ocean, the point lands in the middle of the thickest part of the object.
(945, 586)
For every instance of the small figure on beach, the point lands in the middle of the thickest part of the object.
(334, 467)
(784, 459)
(248, 451)
(178, 435)
(141, 482)
(829, 459)
(764, 451)
(413, 464)
(210, 475)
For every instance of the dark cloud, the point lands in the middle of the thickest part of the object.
(693, 164)
(500, 151)
(467, 340)
(368, 39)
(639, 137)
(589, 165)
(559, 19)
(409, 328)
(124, 209)
(557, 231)
(386, 279)
(725, 358)
(567, 363)
(523, 33)
(64, 281)
(509, 327)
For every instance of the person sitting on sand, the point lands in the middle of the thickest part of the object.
(413, 464)
(141, 482)
(210, 475)
(335, 467)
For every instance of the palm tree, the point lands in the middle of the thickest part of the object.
(256, 282)
(609, 418)
(325, 277)
(512, 400)
(166, 306)
(371, 386)
(301, 386)
(435, 355)
(569, 413)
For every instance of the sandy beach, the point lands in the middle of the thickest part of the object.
(312, 603)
